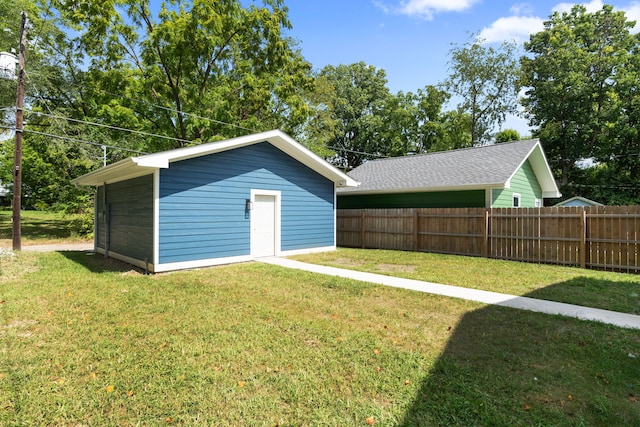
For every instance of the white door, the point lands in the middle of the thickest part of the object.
(263, 226)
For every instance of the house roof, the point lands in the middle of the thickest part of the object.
(133, 167)
(490, 166)
(578, 201)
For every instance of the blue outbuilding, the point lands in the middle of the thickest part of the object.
(229, 201)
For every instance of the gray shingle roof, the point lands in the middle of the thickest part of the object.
(478, 167)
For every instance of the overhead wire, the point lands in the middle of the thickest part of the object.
(56, 117)
(67, 137)
(173, 110)
(82, 141)
(112, 127)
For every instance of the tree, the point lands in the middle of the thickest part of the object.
(575, 70)
(356, 103)
(620, 154)
(507, 135)
(362, 120)
(414, 122)
(487, 80)
(188, 69)
(10, 19)
(191, 72)
(47, 164)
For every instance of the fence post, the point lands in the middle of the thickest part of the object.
(362, 228)
(485, 252)
(583, 239)
(416, 231)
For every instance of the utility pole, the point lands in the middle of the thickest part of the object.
(17, 159)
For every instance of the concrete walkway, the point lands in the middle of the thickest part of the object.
(523, 303)
(59, 247)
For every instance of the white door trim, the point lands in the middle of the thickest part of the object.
(277, 218)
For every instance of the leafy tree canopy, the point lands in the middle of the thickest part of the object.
(507, 135)
(359, 93)
(177, 74)
(360, 119)
(582, 77)
(487, 80)
(187, 69)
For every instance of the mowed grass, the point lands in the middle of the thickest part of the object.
(598, 289)
(86, 341)
(41, 228)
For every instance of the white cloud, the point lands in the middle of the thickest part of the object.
(380, 5)
(632, 11)
(512, 28)
(633, 14)
(427, 8)
(521, 9)
(592, 6)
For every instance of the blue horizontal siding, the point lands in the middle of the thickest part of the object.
(202, 203)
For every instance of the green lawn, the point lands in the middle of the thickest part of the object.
(599, 289)
(88, 341)
(40, 228)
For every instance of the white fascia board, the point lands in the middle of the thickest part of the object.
(307, 157)
(551, 194)
(143, 165)
(120, 171)
(488, 186)
(541, 168)
(151, 162)
(276, 137)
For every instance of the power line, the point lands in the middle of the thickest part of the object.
(358, 152)
(68, 138)
(112, 127)
(199, 117)
(173, 110)
(611, 187)
(177, 139)
(31, 83)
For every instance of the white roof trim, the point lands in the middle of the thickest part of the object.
(488, 186)
(581, 199)
(542, 171)
(147, 164)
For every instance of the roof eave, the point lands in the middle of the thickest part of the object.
(471, 187)
(143, 165)
(551, 194)
(120, 171)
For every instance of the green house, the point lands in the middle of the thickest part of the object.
(514, 174)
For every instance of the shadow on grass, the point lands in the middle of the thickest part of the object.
(504, 367)
(97, 263)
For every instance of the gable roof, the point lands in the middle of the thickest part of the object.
(133, 167)
(489, 166)
(578, 201)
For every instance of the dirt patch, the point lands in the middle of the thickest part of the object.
(132, 273)
(20, 328)
(395, 268)
(349, 262)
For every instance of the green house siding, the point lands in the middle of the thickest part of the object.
(437, 199)
(523, 183)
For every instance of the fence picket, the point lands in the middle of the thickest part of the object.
(602, 237)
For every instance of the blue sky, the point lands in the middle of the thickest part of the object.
(410, 39)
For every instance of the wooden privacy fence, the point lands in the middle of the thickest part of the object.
(599, 237)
